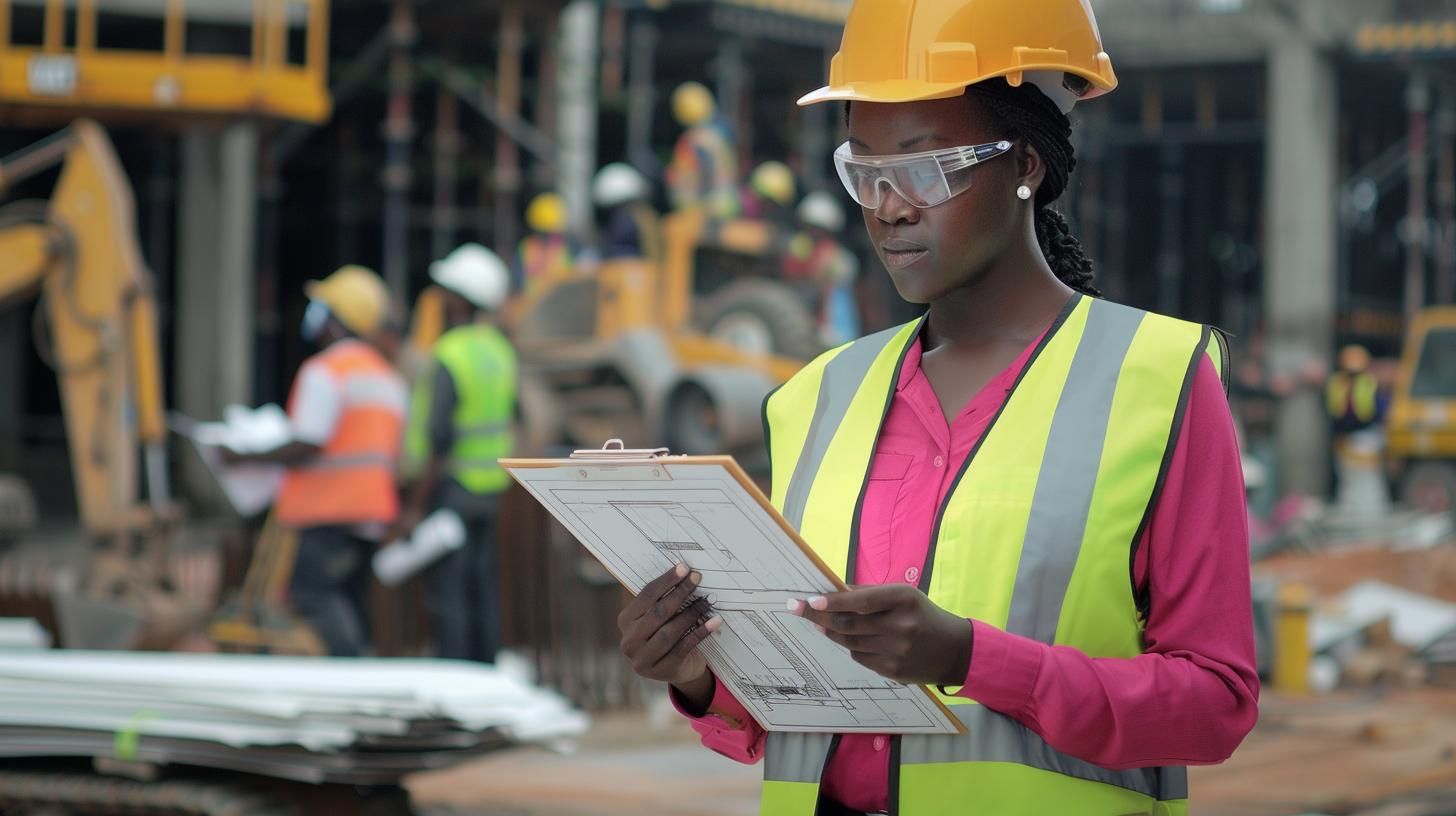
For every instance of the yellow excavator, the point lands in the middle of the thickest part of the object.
(78, 252)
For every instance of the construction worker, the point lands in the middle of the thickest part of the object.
(630, 227)
(817, 256)
(1353, 394)
(770, 194)
(1045, 523)
(347, 411)
(546, 253)
(703, 171)
(460, 425)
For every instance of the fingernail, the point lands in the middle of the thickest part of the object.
(819, 602)
(714, 624)
(795, 604)
(681, 570)
(696, 578)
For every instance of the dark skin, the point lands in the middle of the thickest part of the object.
(458, 312)
(976, 262)
(293, 454)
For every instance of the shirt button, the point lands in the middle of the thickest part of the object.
(879, 743)
(940, 461)
(912, 574)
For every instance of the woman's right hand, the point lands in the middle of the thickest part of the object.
(661, 629)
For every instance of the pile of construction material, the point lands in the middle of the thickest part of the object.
(314, 720)
(1379, 615)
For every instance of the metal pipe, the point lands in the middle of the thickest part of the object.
(1171, 187)
(511, 45)
(641, 95)
(1417, 101)
(174, 30)
(318, 41)
(447, 159)
(398, 133)
(36, 158)
(85, 26)
(55, 26)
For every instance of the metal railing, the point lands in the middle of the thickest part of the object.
(67, 68)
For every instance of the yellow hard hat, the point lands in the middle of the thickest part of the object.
(1354, 359)
(547, 213)
(692, 104)
(356, 297)
(909, 50)
(774, 181)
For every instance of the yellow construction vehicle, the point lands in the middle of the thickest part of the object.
(1421, 427)
(78, 251)
(613, 350)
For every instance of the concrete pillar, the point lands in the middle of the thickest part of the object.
(1299, 249)
(576, 141)
(217, 221)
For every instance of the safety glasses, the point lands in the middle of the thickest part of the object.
(925, 180)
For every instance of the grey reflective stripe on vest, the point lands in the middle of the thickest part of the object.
(1069, 469)
(838, 385)
(993, 737)
(482, 428)
(385, 391)
(350, 461)
(791, 757)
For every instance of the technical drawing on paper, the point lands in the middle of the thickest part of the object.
(640, 519)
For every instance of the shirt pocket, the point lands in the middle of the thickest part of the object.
(888, 472)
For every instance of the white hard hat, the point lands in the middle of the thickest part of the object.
(474, 273)
(618, 183)
(823, 211)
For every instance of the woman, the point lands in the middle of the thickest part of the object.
(1049, 522)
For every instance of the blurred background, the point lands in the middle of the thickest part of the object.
(176, 170)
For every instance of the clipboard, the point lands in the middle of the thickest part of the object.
(639, 511)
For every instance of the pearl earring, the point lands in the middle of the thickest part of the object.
(1023, 192)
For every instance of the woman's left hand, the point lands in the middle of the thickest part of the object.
(895, 630)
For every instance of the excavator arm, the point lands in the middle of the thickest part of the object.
(79, 252)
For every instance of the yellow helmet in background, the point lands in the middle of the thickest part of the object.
(547, 213)
(910, 50)
(692, 104)
(775, 182)
(356, 297)
(1354, 359)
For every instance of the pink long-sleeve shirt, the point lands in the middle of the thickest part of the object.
(1188, 699)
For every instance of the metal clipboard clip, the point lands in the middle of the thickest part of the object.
(615, 451)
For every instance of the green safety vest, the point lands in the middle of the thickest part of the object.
(1035, 538)
(482, 366)
(1352, 393)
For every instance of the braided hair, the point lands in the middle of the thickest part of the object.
(1025, 112)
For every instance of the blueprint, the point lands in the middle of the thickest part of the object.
(639, 519)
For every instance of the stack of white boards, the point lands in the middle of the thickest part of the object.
(316, 720)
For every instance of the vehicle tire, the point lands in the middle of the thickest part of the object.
(692, 423)
(1430, 487)
(761, 317)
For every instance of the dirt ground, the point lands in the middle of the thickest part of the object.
(1374, 754)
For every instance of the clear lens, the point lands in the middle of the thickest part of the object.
(923, 179)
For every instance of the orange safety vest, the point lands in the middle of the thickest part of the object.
(352, 479)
